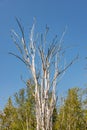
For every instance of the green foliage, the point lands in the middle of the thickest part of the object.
(22, 116)
(8, 116)
(55, 122)
(26, 108)
(72, 114)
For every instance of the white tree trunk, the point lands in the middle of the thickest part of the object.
(45, 103)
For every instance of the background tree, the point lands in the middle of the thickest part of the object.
(8, 116)
(26, 107)
(22, 114)
(71, 116)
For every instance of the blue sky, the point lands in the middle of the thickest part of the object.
(55, 13)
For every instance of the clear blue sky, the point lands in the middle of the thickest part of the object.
(57, 14)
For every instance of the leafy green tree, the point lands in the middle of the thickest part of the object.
(26, 107)
(22, 114)
(8, 116)
(71, 115)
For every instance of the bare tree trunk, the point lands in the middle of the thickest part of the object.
(45, 103)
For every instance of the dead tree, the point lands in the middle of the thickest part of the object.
(46, 81)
